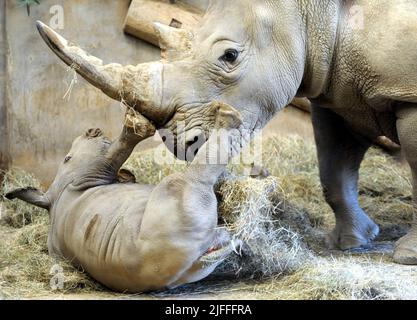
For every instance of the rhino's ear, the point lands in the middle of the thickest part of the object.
(30, 195)
(175, 43)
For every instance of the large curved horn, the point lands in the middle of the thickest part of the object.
(107, 78)
(139, 86)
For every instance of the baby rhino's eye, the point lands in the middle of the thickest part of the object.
(67, 158)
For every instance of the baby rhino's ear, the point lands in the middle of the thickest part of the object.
(126, 176)
(30, 195)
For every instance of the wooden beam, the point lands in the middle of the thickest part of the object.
(143, 13)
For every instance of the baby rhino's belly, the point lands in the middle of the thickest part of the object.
(100, 232)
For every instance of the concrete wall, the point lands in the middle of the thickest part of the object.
(40, 123)
(4, 153)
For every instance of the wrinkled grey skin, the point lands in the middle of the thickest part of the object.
(133, 237)
(362, 82)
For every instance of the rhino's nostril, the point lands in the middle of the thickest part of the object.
(194, 145)
(191, 142)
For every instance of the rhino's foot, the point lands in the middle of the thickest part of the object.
(406, 249)
(347, 236)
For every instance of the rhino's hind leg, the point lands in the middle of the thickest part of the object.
(406, 248)
(340, 154)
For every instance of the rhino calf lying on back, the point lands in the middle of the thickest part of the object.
(133, 237)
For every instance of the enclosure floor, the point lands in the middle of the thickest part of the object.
(297, 205)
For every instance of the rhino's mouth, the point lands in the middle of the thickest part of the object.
(218, 254)
(221, 248)
(215, 250)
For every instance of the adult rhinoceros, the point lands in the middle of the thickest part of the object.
(258, 55)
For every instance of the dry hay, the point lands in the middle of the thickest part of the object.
(346, 278)
(282, 221)
(255, 211)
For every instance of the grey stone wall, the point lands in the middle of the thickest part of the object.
(4, 152)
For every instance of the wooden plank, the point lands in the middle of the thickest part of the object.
(143, 13)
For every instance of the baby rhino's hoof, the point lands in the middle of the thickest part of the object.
(406, 249)
(227, 116)
(138, 124)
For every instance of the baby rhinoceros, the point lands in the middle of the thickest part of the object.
(132, 237)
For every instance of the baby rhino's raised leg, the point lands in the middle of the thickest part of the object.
(136, 128)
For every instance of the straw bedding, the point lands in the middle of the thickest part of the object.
(282, 220)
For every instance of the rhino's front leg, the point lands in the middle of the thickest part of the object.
(406, 248)
(340, 154)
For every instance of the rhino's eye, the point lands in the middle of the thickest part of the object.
(67, 158)
(230, 55)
